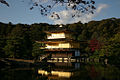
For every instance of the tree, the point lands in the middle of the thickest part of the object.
(47, 6)
(37, 32)
(4, 2)
(4, 31)
(18, 44)
(11, 49)
(2, 44)
(83, 35)
(114, 49)
(37, 51)
(78, 6)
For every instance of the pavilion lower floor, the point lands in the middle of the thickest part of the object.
(64, 54)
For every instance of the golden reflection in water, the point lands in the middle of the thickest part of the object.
(56, 73)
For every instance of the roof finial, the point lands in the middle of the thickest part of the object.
(60, 25)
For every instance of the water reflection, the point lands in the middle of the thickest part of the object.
(63, 71)
(56, 73)
(81, 71)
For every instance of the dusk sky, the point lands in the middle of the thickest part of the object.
(19, 12)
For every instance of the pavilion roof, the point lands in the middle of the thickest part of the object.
(60, 41)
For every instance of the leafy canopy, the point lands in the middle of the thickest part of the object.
(47, 7)
(78, 6)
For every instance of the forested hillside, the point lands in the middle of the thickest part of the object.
(18, 41)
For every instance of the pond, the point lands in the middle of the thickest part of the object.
(63, 71)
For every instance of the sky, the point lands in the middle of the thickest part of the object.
(19, 12)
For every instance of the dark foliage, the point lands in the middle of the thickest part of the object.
(79, 6)
(47, 7)
(4, 2)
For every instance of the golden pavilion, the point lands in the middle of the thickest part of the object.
(60, 43)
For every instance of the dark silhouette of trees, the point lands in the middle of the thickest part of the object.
(47, 7)
(78, 6)
(4, 2)
(18, 43)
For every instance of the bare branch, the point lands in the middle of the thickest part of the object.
(4, 2)
(80, 6)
